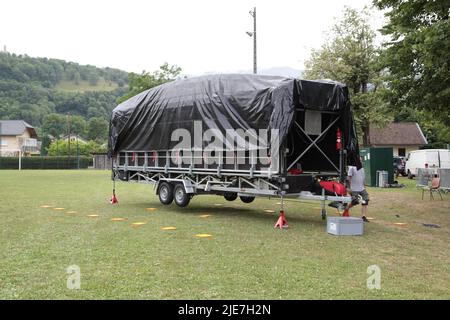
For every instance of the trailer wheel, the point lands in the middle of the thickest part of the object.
(165, 193)
(180, 196)
(230, 196)
(247, 199)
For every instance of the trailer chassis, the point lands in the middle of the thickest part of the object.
(244, 187)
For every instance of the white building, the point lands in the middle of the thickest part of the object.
(18, 135)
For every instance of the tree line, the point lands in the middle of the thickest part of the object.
(49, 72)
(406, 78)
(32, 102)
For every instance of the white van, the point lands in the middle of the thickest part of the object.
(434, 158)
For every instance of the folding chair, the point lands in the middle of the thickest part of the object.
(434, 187)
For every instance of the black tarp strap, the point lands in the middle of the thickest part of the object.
(314, 143)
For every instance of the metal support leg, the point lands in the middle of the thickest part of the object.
(281, 222)
(324, 211)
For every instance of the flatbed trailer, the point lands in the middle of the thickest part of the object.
(317, 135)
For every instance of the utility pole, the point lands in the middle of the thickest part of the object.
(68, 135)
(78, 155)
(1, 143)
(253, 34)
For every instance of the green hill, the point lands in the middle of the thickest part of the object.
(54, 73)
(31, 88)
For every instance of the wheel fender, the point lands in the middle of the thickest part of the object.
(188, 186)
(157, 187)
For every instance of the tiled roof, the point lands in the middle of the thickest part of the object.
(399, 133)
(15, 127)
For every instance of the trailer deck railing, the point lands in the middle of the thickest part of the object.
(165, 161)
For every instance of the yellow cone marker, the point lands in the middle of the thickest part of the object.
(400, 224)
(92, 215)
(118, 219)
(58, 209)
(46, 206)
(138, 224)
(269, 211)
(205, 216)
(203, 235)
(370, 218)
(168, 228)
(150, 209)
(71, 212)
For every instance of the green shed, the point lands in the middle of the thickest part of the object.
(377, 159)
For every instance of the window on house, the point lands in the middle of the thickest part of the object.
(3, 142)
(401, 152)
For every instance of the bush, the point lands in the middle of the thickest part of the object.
(39, 162)
(61, 148)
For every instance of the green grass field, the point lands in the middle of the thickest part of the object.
(245, 257)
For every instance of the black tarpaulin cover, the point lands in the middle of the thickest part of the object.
(235, 101)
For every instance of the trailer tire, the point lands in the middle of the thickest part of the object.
(230, 196)
(181, 198)
(165, 193)
(247, 199)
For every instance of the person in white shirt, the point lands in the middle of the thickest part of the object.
(356, 179)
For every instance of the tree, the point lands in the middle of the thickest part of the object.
(97, 129)
(93, 78)
(417, 55)
(145, 80)
(350, 56)
(78, 125)
(54, 124)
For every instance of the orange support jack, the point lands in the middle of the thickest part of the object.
(281, 222)
(114, 198)
(346, 213)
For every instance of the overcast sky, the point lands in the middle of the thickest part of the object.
(199, 36)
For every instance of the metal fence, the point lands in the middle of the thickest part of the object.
(424, 176)
(102, 162)
(39, 162)
(444, 175)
